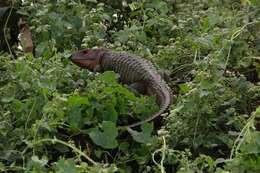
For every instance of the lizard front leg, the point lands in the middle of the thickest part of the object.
(137, 88)
(165, 75)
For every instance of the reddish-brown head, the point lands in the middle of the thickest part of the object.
(88, 58)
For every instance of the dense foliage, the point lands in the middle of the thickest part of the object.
(56, 117)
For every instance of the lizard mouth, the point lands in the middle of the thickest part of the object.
(83, 63)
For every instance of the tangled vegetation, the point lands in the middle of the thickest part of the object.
(56, 117)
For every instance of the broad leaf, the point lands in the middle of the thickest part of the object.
(105, 136)
(144, 136)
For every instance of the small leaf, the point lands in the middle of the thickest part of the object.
(184, 88)
(78, 100)
(257, 138)
(66, 166)
(94, 1)
(98, 153)
(110, 114)
(250, 148)
(124, 146)
(255, 2)
(134, 6)
(141, 36)
(42, 162)
(7, 99)
(106, 136)
(257, 112)
(75, 117)
(144, 136)
(2, 167)
(122, 36)
(108, 76)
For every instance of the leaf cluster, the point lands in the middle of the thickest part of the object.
(55, 117)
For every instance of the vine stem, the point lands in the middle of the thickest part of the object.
(162, 150)
(234, 36)
(242, 135)
(5, 27)
(68, 145)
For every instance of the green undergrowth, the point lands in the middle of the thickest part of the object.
(45, 100)
(56, 117)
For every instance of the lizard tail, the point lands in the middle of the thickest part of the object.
(164, 99)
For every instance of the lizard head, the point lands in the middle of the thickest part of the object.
(88, 58)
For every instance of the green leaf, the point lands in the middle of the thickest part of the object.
(141, 36)
(184, 88)
(250, 148)
(7, 99)
(257, 112)
(66, 166)
(257, 138)
(255, 2)
(98, 153)
(124, 146)
(2, 167)
(105, 136)
(110, 114)
(144, 136)
(78, 100)
(41, 162)
(109, 77)
(134, 6)
(122, 36)
(94, 1)
(74, 117)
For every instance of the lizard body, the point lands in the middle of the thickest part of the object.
(133, 71)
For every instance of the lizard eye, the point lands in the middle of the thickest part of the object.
(85, 52)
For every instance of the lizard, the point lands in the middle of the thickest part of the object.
(134, 71)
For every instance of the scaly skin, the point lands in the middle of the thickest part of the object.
(132, 70)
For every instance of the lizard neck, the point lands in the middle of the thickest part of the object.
(106, 61)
